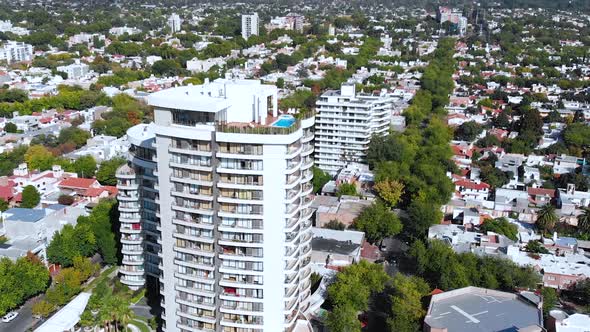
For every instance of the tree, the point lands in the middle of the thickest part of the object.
(468, 131)
(502, 120)
(546, 218)
(550, 299)
(335, 224)
(74, 135)
(107, 171)
(71, 242)
(21, 280)
(43, 308)
(406, 303)
(3, 205)
(38, 157)
(30, 197)
(10, 128)
(536, 247)
(166, 67)
(422, 214)
(348, 189)
(378, 222)
(85, 166)
(580, 292)
(280, 83)
(390, 191)
(501, 226)
(583, 220)
(67, 283)
(320, 178)
(355, 283)
(343, 318)
(102, 221)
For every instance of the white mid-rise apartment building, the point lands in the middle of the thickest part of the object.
(345, 122)
(13, 51)
(232, 208)
(249, 25)
(75, 70)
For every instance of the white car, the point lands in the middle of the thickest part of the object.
(9, 316)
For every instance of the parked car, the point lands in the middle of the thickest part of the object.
(9, 316)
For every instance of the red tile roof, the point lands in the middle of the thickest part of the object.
(6, 193)
(541, 191)
(472, 185)
(78, 183)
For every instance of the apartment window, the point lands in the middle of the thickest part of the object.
(192, 118)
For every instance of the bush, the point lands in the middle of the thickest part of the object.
(65, 200)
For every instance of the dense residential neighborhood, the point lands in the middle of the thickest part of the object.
(295, 166)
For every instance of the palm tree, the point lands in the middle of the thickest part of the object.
(546, 218)
(584, 220)
(121, 312)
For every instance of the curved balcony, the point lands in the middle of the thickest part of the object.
(194, 251)
(196, 277)
(188, 194)
(195, 264)
(240, 284)
(307, 150)
(199, 292)
(205, 181)
(136, 261)
(128, 270)
(128, 198)
(132, 282)
(194, 316)
(131, 239)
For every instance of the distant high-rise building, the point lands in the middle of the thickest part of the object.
(345, 122)
(249, 25)
(223, 211)
(174, 23)
(296, 21)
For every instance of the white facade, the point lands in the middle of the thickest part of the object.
(199, 66)
(13, 51)
(174, 23)
(345, 123)
(234, 194)
(249, 25)
(119, 31)
(75, 70)
(136, 183)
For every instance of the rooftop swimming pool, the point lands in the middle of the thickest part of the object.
(284, 121)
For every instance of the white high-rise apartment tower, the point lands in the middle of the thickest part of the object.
(249, 25)
(232, 207)
(345, 122)
(174, 23)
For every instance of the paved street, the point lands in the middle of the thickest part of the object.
(22, 322)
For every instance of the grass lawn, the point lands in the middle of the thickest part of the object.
(141, 325)
(103, 276)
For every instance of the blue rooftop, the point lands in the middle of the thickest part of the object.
(25, 215)
(56, 207)
(567, 241)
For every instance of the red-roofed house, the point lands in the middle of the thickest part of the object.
(77, 186)
(540, 196)
(473, 190)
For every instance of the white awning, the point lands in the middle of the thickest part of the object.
(66, 318)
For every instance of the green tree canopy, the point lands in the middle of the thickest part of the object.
(30, 197)
(378, 222)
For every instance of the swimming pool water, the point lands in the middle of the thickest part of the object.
(284, 122)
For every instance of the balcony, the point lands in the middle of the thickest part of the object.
(132, 270)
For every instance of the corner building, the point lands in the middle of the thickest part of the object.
(234, 194)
